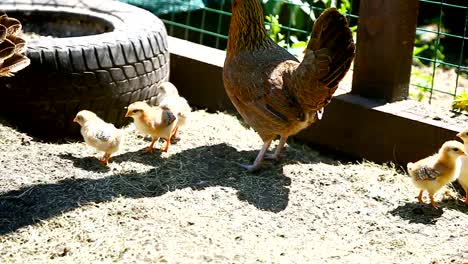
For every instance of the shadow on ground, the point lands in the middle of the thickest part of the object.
(418, 213)
(196, 168)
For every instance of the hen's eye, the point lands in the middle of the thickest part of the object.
(466, 134)
(134, 111)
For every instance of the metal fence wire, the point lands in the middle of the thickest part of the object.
(440, 60)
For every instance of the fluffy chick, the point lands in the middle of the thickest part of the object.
(463, 178)
(432, 173)
(168, 97)
(99, 134)
(154, 121)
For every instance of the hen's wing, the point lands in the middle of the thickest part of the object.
(255, 84)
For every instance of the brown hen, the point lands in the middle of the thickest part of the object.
(11, 46)
(271, 89)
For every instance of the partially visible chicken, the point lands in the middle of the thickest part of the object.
(99, 134)
(154, 121)
(11, 46)
(273, 92)
(463, 178)
(168, 98)
(434, 172)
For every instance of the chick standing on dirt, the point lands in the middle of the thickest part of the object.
(99, 134)
(168, 98)
(463, 178)
(154, 121)
(432, 173)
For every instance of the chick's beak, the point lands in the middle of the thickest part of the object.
(127, 114)
(459, 135)
(75, 120)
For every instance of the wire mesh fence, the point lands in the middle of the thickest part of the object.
(440, 56)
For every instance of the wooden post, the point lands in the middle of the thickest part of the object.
(385, 40)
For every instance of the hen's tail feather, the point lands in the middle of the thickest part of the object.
(327, 59)
(331, 32)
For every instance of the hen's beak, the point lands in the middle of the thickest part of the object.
(75, 120)
(459, 134)
(127, 114)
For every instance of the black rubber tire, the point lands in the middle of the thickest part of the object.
(103, 73)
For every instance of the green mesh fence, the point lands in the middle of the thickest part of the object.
(440, 63)
(440, 60)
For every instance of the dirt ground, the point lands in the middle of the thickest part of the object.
(197, 205)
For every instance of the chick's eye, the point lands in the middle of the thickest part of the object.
(456, 149)
(134, 111)
(466, 134)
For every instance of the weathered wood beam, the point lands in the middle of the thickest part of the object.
(386, 33)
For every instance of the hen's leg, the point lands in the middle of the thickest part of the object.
(259, 160)
(150, 149)
(420, 197)
(277, 155)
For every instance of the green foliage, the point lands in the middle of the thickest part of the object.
(299, 15)
(274, 30)
(422, 81)
(293, 45)
(461, 102)
(427, 45)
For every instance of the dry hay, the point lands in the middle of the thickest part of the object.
(196, 205)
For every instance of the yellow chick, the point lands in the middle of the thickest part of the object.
(168, 97)
(432, 173)
(99, 134)
(154, 121)
(463, 178)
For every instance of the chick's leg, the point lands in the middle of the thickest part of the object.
(259, 160)
(168, 142)
(150, 149)
(277, 155)
(466, 198)
(175, 135)
(105, 158)
(433, 203)
(420, 197)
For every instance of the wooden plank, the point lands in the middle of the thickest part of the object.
(386, 32)
(352, 125)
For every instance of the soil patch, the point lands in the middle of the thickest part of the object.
(196, 205)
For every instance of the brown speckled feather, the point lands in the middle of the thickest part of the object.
(272, 91)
